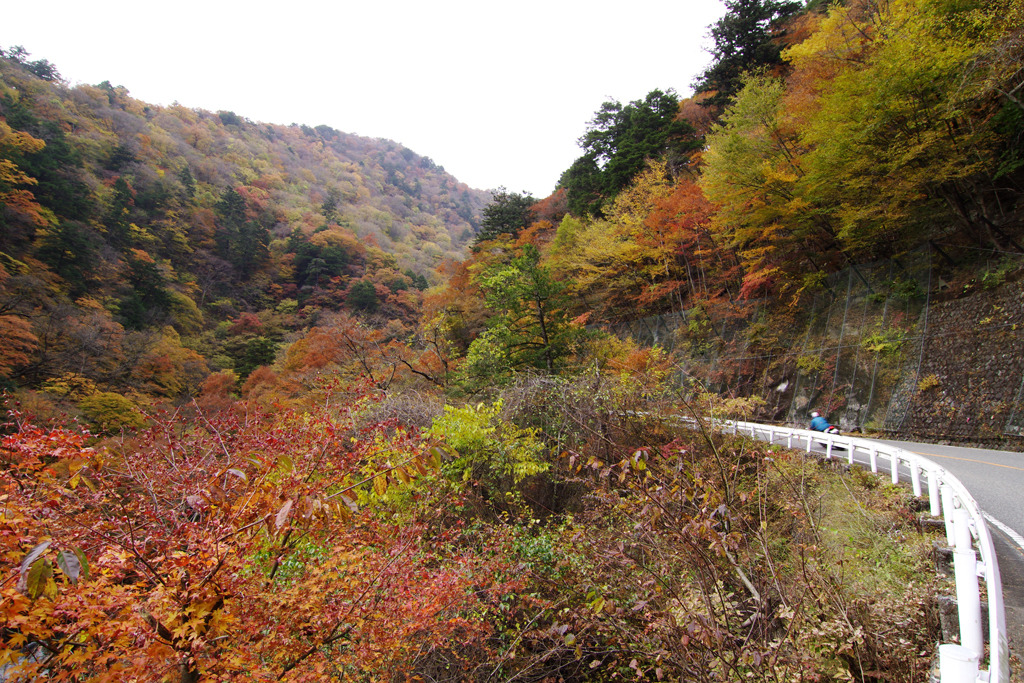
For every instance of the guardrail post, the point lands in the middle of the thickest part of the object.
(915, 478)
(957, 664)
(849, 454)
(933, 493)
(968, 595)
(962, 530)
(947, 513)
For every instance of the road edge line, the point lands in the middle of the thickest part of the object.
(1014, 536)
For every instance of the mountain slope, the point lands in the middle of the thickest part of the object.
(137, 219)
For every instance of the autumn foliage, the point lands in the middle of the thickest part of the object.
(328, 440)
(230, 547)
(559, 531)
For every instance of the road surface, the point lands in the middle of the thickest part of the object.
(996, 480)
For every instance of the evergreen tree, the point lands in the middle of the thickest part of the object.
(618, 142)
(118, 218)
(507, 214)
(241, 240)
(362, 296)
(329, 208)
(188, 181)
(746, 39)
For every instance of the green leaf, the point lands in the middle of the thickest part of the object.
(436, 457)
(39, 577)
(83, 562)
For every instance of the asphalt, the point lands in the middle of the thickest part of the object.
(1011, 570)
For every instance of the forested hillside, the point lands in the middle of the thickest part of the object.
(822, 139)
(144, 247)
(289, 404)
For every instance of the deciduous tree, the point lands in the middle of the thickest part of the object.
(902, 137)
(224, 549)
(530, 328)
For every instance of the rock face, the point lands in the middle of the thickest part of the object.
(956, 373)
(888, 348)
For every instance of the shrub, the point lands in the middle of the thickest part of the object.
(810, 364)
(490, 450)
(111, 413)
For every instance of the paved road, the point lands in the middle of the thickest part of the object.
(996, 480)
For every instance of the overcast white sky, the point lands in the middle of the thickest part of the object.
(497, 93)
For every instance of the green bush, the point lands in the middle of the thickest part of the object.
(488, 448)
(111, 413)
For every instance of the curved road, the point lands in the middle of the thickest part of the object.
(996, 480)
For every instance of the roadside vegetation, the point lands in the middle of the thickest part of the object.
(569, 530)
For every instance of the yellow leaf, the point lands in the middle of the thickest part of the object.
(342, 511)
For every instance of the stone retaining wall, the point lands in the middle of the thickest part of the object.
(972, 369)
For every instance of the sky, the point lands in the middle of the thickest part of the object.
(496, 92)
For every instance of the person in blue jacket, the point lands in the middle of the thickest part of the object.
(818, 423)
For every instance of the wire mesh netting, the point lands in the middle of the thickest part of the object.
(891, 346)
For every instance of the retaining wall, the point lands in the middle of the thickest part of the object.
(887, 348)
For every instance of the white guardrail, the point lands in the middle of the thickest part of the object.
(966, 531)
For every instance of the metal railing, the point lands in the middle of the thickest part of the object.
(966, 532)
